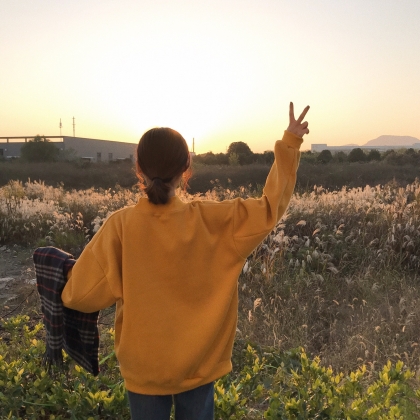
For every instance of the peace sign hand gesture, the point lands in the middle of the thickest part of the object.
(297, 126)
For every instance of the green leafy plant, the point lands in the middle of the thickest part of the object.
(29, 390)
(265, 383)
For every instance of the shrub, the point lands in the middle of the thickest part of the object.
(243, 151)
(340, 157)
(30, 391)
(69, 155)
(373, 155)
(311, 391)
(211, 158)
(266, 158)
(325, 156)
(39, 149)
(233, 159)
(265, 383)
(308, 157)
(357, 155)
(402, 157)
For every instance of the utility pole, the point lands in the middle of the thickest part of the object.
(74, 128)
(61, 125)
(193, 145)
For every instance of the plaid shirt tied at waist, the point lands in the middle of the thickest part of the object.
(75, 332)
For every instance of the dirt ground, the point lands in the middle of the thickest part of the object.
(18, 293)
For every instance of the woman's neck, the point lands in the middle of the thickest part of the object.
(171, 192)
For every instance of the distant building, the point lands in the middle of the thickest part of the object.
(319, 147)
(93, 150)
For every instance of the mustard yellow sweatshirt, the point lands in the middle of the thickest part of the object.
(173, 271)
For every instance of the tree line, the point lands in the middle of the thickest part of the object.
(238, 153)
(40, 149)
(394, 157)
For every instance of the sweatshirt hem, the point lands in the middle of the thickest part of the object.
(185, 385)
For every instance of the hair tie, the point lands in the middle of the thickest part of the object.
(165, 181)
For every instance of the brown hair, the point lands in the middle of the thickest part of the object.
(162, 155)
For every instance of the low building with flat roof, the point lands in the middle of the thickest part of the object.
(94, 150)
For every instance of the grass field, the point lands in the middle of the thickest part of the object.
(338, 276)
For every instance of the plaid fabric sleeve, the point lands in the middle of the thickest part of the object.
(74, 331)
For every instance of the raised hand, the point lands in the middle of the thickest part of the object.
(297, 126)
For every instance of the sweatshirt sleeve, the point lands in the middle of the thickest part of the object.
(253, 219)
(94, 282)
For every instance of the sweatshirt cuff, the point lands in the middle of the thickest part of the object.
(292, 140)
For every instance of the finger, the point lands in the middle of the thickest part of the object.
(305, 124)
(302, 116)
(291, 113)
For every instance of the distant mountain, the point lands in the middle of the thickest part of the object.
(392, 141)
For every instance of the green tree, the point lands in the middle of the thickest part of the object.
(402, 157)
(340, 157)
(222, 158)
(269, 157)
(373, 155)
(243, 151)
(266, 158)
(357, 155)
(388, 154)
(325, 156)
(210, 158)
(233, 159)
(309, 157)
(40, 149)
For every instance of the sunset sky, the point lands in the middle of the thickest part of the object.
(219, 71)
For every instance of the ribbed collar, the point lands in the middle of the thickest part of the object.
(145, 206)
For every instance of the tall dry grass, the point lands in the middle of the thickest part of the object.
(338, 275)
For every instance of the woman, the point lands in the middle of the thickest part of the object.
(172, 269)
